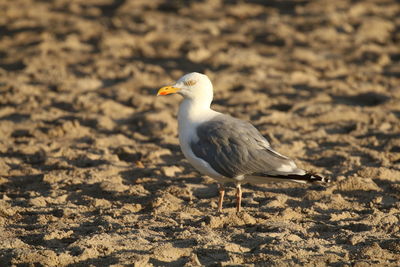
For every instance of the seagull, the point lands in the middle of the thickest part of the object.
(225, 148)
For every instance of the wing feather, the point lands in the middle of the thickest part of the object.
(234, 147)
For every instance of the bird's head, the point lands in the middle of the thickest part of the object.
(195, 86)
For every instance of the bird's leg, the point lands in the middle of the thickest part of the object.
(221, 190)
(238, 197)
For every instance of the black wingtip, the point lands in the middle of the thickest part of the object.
(308, 177)
(316, 178)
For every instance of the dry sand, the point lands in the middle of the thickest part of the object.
(91, 173)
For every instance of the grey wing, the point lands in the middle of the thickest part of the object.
(233, 148)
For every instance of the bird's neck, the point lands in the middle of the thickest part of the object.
(194, 111)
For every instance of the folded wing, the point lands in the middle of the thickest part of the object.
(235, 148)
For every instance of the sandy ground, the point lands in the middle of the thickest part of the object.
(91, 172)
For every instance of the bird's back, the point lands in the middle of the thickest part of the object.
(235, 148)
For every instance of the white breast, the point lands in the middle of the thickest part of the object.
(188, 119)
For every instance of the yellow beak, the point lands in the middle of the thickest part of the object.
(166, 90)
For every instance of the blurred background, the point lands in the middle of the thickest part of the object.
(91, 171)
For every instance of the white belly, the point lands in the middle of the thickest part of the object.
(198, 163)
(187, 133)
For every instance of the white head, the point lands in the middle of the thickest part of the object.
(194, 86)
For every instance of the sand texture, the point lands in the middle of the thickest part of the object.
(91, 173)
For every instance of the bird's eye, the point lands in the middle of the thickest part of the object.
(189, 82)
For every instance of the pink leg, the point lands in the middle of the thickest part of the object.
(221, 190)
(238, 197)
